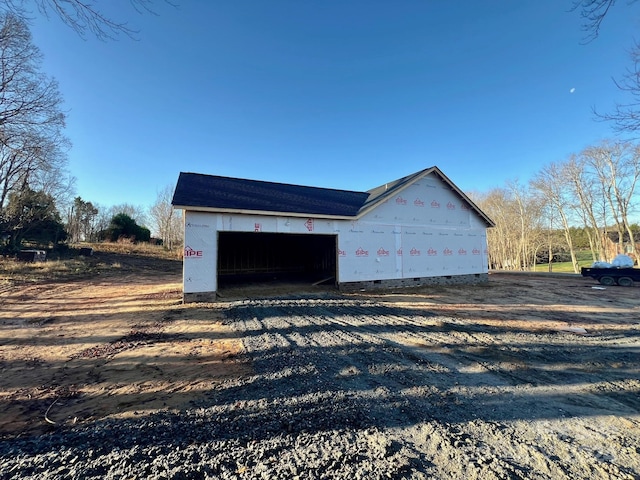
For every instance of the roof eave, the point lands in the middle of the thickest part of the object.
(231, 211)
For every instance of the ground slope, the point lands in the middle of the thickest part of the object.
(525, 377)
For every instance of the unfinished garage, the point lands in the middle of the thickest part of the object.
(256, 257)
(414, 230)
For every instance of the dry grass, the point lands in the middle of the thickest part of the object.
(143, 249)
(13, 270)
(69, 264)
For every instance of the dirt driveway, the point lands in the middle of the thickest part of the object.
(524, 377)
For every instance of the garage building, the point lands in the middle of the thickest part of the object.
(416, 230)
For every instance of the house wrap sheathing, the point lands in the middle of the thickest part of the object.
(416, 230)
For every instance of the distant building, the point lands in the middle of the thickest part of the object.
(415, 230)
(613, 246)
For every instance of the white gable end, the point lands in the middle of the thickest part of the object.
(428, 201)
(424, 230)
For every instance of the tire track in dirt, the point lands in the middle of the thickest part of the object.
(353, 387)
(460, 399)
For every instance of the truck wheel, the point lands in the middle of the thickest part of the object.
(607, 280)
(625, 281)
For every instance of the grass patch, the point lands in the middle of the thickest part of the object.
(140, 249)
(584, 260)
(108, 258)
(12, 270)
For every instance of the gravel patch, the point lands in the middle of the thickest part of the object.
(353, 389)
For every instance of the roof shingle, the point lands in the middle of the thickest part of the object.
(210, 191)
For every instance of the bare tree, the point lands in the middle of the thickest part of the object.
(30, 102)
(593, 13)
(625, 117)
(103, 218)
(500, 241)
(528, 224)
(589, 204)
(32, 145)
(83, 17)
(552, 184)
(518, 231)
(617, 168)
(105, 214)
(166, 221)
(81, 221)
(596, 188)
(136, 212)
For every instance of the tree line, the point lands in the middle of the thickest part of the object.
(86, 222)
(589, 201)
(37, 203)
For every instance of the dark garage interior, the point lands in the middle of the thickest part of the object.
(247, 257)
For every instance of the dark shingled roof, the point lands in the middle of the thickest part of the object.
(214, 192)
(209, 192)
(388, 189)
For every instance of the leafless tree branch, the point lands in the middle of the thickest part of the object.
(82, 16)
(32, 143)
(593, 13)
(625, 117)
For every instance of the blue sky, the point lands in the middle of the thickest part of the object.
(341, 94)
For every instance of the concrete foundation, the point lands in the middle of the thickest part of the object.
(414, 282)
(200, 297)
(208, 297)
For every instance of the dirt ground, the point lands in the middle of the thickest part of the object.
(524, 348)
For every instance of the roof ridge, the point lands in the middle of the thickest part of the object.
(378, 193)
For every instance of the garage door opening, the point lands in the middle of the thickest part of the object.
(246, 257)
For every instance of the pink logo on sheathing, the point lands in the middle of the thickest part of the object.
(414, 252)
(360, 252)
(418, 203)
(476, 251)
(382, 252)
(447, 251)
(462, 251)
(309, 224)
(399, 252)
(432, 252)
(451, 206)
(435, 204)
(257, 227)
(401, 201)
(342, 253)
(191, 253)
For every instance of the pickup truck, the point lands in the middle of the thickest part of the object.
(613, 276)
